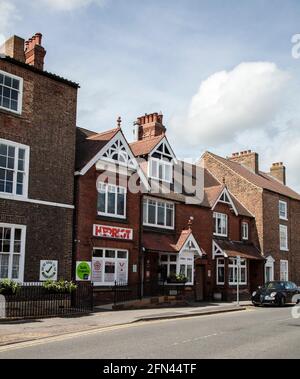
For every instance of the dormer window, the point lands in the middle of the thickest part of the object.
(160, 170)
(160, 165)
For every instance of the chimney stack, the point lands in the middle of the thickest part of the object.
(248, 159)
(278, 171)
(14, 48)
(150, 125)
(34, 52)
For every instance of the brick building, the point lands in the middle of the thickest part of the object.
(151, 236)
(37, 155)
(275, 206)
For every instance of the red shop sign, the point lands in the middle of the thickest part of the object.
(113, 232)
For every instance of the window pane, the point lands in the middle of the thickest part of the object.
(164, 258)
(101, 200)
(97, 253)
(172, 269)
(15, 267)
(110, 254)
(161, 214)
(145, 207)
(153, 168)
(151, 213)
(161, 171)
(109, 272)
(170, 217)
(182, 270)
(189, 273)
(121, 203)
(173, 258)
(4, 260)
(111, 207)
(122, 254)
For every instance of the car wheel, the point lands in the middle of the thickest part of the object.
(281, 301)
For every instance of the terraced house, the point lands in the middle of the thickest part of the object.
(149, 238)
(37, 155)
(276, 208)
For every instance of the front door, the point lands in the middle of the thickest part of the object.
(199, 283)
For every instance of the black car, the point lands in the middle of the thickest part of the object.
(277, 292)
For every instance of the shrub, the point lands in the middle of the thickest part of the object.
(9, 287)
(62, 286)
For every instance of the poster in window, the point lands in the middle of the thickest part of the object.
(97, 270)
(122, 272)
(109, 273)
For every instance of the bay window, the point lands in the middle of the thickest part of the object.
(109, 265)
(174, 264)
(233, 271)
(14, 163)
(111, 201)
(158, 213)
(220, 224)
(12, 250)
(11, 88)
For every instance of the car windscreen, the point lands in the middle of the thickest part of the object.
(276, 285)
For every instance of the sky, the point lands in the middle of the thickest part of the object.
(222, 72)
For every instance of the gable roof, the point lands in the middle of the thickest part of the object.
(262, 179)
(89, 143)
(145, 147)
(236, 248)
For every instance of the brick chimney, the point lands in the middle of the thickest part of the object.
(149, 126)
(34, 51)
(278, 171)
(248, 159)
(14, 48)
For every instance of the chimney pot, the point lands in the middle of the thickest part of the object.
(34, 52)
(278, 171)
(151, 125)
(248, 159)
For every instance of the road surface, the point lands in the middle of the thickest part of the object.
(254, 333)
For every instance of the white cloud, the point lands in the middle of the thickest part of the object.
(230, 102)
(8, 15)
(68, 5)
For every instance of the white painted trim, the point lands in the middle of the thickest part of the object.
(99, 155)
(18, 146)
(217, 267)
(160, 162)
(186, 248)
(158, 200)
(269, 264)
(33, 201)
(22, 252)
(287, 268)
(215, 221)
(164, 140)
(115, 260)
(20, 99)
(225, 190)
(286, 210)
(113, 215)
(245, 238)
(221, 254)
(285, 228)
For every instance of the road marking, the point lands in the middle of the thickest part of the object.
(42, 341)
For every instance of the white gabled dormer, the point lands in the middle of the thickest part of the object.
(225, 198)
(160, 162)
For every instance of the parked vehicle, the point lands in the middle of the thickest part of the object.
(277, 292)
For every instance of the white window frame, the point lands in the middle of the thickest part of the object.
(20, 97)
(157, 201)
(114, 260)
(13, 227)
(269, 264)
(14, 195)
(220, 265)
(183, 259)
(245, 231)
(283, 247)
(285, 205)
(160, 163)
(106, 213)
(223, 217)
(284, 275)
(234, 266)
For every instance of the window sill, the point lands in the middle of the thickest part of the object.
(283, 218)
(158, 229)
(112, 219)
(221, 235)
(284, 250)
(8, 196)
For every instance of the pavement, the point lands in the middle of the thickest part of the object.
(267, 332)
(13, 332)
